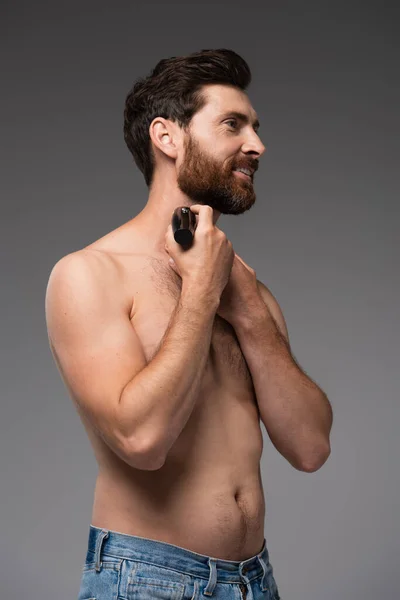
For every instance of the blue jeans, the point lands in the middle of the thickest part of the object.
(127, 567)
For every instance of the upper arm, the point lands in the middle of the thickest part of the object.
(274, 309)
(93, 342)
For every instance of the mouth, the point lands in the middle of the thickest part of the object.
(243, 175)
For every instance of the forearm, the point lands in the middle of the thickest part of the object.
(295, 411)
(158, 402)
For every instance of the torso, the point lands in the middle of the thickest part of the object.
(208, 496)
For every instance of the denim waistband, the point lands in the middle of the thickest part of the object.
(113, 544)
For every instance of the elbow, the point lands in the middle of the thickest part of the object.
(147, 457)
(314, 462)
(144, 461)
(140, 448)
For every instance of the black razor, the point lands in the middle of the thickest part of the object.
(183, 225)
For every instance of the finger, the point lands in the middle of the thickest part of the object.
(196, 207)
(169, 236)
(170, 244)
(204, 214)
(173, 266)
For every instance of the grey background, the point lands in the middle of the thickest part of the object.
(323, 235)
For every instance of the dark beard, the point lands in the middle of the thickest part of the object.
(204, 181)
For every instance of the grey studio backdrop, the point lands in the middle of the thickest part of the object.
(323, 235)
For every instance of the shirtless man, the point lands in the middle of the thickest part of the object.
(173, 356)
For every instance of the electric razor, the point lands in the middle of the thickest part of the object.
(183, 225)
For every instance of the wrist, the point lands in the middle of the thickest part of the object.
(194, 295)
(255, 315)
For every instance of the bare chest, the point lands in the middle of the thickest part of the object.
(155, 297)
(210, 485)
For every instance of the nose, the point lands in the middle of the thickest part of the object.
(253, 144)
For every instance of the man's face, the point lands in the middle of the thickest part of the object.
(218, 143)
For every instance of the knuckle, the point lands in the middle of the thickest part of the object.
(208, 231)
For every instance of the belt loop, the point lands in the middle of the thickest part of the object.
(263, 583)
(212, 581)
(99, 542)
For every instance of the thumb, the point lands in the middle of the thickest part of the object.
(173, 266)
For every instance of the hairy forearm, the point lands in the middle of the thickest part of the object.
(157, 403)
(295, 411)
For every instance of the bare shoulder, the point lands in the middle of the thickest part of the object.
(87, 266)
(98, 263)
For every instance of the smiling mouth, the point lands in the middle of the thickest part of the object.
(243, 175)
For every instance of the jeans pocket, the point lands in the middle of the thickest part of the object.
(100, 585)
(151, 582)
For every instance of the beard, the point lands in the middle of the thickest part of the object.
(206, 181)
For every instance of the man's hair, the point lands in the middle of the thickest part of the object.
(173, 90)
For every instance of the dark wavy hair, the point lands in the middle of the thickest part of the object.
(173, 90)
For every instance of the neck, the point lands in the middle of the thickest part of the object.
(152, 222)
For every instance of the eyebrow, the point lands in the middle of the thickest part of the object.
(241, 117)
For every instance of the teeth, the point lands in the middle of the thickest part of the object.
(245, 171)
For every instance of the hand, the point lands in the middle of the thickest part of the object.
(240, 295)
(207, 263)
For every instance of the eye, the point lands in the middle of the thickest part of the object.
(232, 121)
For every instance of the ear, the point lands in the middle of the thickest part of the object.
(164, 135)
